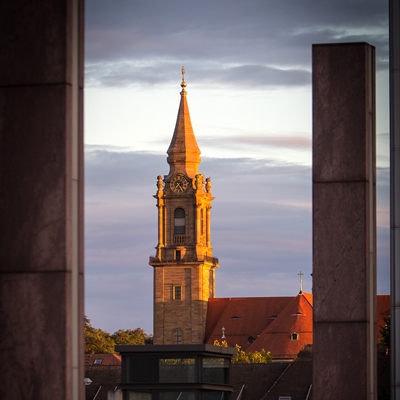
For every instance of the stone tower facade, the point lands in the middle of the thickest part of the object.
(184, 268)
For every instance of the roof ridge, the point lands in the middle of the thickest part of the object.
(253, 297)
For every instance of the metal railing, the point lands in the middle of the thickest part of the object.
(212, 260)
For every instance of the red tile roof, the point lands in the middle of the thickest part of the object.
(296, 318)
(270, 322)
(106, 359)
(242, 318)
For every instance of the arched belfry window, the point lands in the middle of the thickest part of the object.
(179, 221)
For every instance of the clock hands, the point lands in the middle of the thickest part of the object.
(178, 185)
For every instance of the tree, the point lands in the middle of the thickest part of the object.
(258, 357)
(131, 336)
(385, 332)
(97, 341)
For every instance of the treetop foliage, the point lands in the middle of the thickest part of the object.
(385, 332)
(258, 357)
(98, 341)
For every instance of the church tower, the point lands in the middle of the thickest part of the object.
(184, 268)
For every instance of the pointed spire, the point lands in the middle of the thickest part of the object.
(183, 152)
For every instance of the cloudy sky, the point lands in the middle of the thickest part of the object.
(248, 74)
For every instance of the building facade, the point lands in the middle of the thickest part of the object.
(184, 266)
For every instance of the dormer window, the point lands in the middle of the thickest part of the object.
(294, 336)
(298, 314)
(251, 339)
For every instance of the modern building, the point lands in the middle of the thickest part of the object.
(184, 372)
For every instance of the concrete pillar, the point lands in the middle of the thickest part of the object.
(41, 200)
(344, 221)
(394, 58)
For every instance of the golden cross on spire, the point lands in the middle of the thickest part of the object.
(183, 83)
(301, 282)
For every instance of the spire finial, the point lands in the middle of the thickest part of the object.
(183, 83)
(301, 282)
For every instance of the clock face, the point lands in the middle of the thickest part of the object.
(178, 184)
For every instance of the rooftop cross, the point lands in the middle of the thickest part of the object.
(183, 83)
(301, 281)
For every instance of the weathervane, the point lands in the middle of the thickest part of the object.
(183, 83)
(301, 282)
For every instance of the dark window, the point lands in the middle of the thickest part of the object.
(183, 395)
(251, 339)
(295, 336)
(178, 336)
(177, 292)
(141, 369)
(178, 255)
(179, 221)
(216, 370)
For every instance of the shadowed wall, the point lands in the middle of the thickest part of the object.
(41, 199)
(344, 221)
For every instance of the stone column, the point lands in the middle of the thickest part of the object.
(161, 230)
(41, 200)
(208, 222)
(394, 62)
(161, 217)
(197, 223)
(344, 221)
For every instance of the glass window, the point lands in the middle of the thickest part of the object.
(215, 370)
(177, 370)
(183, 395)
(139, 395)
(214, 395)
(140, 369)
